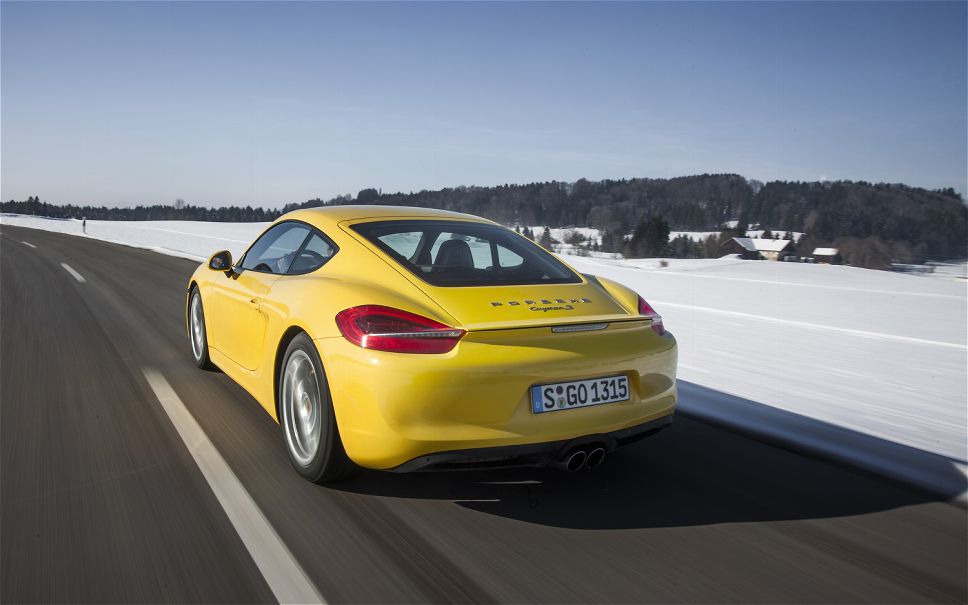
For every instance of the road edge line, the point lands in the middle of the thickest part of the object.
(286, 578)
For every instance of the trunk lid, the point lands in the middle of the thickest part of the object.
(502, 307)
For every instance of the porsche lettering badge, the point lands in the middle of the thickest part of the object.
(544, 304)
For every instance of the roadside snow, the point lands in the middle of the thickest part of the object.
(883, 354)
(877, 352)
(194, 240)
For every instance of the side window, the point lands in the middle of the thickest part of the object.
(275, 250)
(313, 255)
(508, 259)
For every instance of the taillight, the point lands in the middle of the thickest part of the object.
(647, 310)
(388, 329)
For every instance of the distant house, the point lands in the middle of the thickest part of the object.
(754, 248)
(827, 256)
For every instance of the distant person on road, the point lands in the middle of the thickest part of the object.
(84, 224)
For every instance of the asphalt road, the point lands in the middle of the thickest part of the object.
(101, 501)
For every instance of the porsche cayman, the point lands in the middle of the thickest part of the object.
(415, 339)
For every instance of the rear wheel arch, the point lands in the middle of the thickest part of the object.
(287, 336)
(326, 460)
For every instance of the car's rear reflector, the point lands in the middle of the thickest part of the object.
(388, 329)
(647, 310)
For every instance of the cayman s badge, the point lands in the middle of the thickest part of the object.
(544, 304)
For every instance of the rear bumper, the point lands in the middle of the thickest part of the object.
(534, 455)
(395, 408)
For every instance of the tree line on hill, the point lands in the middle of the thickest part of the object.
(872, 224)
(157, 212)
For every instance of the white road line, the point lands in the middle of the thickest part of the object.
(803, 324)
(28, 244)
(282, 572)
(71, 270)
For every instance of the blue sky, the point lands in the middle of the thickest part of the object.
(268, 103)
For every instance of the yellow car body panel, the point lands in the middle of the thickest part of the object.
(394, 407)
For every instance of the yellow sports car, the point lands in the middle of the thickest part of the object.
(416, 339)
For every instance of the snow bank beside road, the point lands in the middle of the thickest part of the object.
(194, 240)
(876, 353)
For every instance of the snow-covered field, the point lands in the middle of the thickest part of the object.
(882, 354)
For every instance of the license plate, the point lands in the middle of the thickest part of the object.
(578, 394)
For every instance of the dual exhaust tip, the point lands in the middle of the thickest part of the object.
(580, 458)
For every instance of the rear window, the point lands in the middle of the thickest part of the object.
(453, 253)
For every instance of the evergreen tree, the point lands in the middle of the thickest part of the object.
(711, 247)
(546, 239)
(684, 247)
(658, 237)
(650, 239)
(635, 246)
(367, 196)
(612, 241)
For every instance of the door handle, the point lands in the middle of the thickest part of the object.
(254, 302)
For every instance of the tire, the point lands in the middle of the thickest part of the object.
(197, 333)
(306, 416)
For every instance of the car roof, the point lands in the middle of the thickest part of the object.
(329, 216)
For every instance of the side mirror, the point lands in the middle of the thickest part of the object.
(221, 261)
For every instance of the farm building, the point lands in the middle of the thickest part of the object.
(829, 256)
(756, 248)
